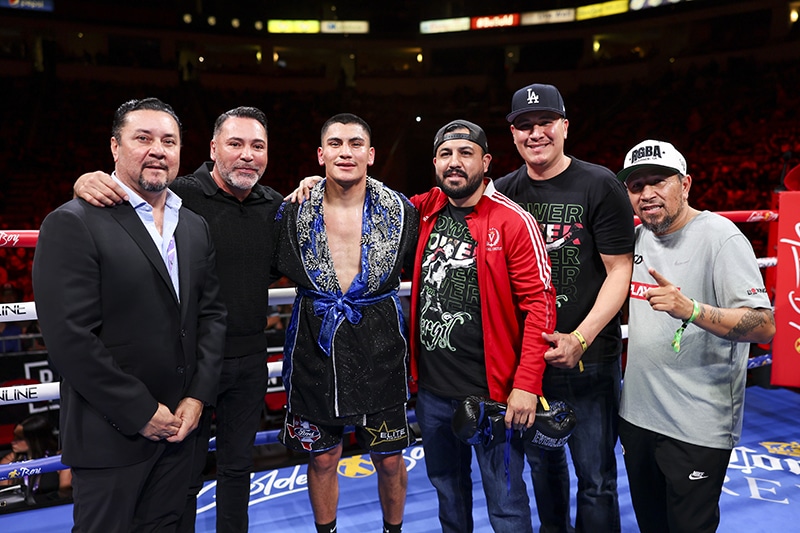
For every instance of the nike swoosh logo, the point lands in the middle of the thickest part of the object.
(694, 476)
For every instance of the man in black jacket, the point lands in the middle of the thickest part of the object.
(240, 213)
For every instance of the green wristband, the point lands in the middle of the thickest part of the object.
(676, 340)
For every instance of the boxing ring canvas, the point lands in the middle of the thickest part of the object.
(761, 494)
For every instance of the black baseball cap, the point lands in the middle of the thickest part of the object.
(536, 97)
(476, 134)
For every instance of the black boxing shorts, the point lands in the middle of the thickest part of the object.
(384, 432)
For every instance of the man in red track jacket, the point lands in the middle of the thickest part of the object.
(482, 299)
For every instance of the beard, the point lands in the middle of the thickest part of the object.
(661, 227)
(150, 186)
(464, 191)
(239, 183)
(237, 179)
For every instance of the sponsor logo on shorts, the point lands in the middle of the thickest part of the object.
(304, 431)
(694, 476)
(383, 434)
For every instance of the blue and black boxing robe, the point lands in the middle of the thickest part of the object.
(346, 355)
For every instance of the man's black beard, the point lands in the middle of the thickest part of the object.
(459, 193)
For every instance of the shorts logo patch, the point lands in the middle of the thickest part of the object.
(384, 434)
(303, 431)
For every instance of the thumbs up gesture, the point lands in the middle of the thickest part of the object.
(668, 298)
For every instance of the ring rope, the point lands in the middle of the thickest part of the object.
(22, 311)
(54, 464)
(49, 391)
(26, 238)
(758, 215)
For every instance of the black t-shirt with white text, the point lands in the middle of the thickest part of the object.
(452, 363)
(583, 212)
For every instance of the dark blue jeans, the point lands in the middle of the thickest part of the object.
(449, 465)
(240, 404)
(594, 394)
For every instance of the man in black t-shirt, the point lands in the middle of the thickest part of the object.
(587, 223)
(481, 306)
(450, 327)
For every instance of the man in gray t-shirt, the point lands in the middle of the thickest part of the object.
(697, 300)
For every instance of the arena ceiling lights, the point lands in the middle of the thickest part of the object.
(794, 12)
(318, 26)
(553, 16)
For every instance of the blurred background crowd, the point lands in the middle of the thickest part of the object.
(718, 79)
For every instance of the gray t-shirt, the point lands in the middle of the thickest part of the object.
(696, 395)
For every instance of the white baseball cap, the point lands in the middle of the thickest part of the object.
(650, 153)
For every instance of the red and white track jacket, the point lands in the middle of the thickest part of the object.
(517, 298)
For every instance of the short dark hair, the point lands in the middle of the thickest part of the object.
(152, 104)
(346, 118)
(241, 112)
